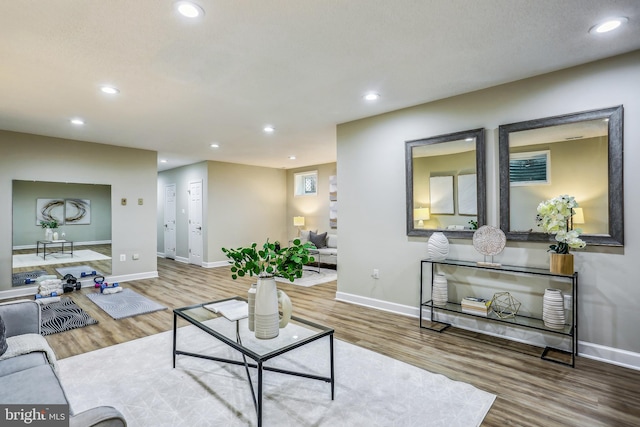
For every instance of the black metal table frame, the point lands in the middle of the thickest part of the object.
(259, 359)
(52, 242)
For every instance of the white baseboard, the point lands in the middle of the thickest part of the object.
(95, 242)
(182, 259)
(130, 277)
(598, 352)
(160, 254)
(215, 264)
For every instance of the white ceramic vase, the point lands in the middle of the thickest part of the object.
(48, 234)
(553, 309)
(251, 298)
(438, 246)
(267, 321)
(439, 292)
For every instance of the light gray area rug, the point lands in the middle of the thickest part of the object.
(30, 260)
(311, 277)
(124, 304)
(77, 271)
(371, 389)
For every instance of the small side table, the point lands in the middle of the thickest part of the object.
(62, 244)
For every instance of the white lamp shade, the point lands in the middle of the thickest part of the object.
(421, 214)
(298, 221)
(578, 216)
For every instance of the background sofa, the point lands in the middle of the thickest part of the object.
(28, 376)
(327, 245)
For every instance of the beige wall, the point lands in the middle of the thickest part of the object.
(371, 156)
(130, 172)
(314, 209)
(246, 204)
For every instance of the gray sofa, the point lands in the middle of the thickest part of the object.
(28, 376)
(327, 246)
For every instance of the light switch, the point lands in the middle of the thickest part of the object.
(140, 202)
(123, 201)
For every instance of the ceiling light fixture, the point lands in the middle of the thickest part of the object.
(608, 25)
(77, 121)
(188, 9)
(269, 129)
(292, 157)
(109, 90)
(163, 161)
(214, 145)
(372, 96)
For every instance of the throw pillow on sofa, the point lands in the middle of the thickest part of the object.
(318, 240)
(304, 235)
(3, 337)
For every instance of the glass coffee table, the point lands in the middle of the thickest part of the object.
(297, 333)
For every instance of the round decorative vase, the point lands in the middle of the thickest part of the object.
(438, 246)
(55, 235)
(48, 234)
(553, 309)
(251, 298)
(439, 293)
(561, 263)
(267, 321)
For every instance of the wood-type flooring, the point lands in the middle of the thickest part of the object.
(530, 391)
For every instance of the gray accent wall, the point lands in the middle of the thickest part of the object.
(372, 198)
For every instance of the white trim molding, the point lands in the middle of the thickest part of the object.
(215, 264)
(598, 352)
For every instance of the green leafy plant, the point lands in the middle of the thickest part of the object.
(270, 260)
(473, 224)
(554, 217)
(49, 224)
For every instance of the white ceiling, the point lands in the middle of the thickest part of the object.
(299, 65)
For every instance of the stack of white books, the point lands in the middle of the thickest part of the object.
(232, 309)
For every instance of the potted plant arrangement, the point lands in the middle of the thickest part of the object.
(266, 263)
(49, 226)
(554, 217)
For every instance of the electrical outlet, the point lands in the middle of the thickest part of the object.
(135, 257)
(376, 273)
(123, 257)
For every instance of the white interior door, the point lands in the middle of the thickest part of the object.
(195, 223)
(170, 221)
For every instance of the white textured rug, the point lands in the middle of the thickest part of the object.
(30, 260)
(311, 277)
(371, 389)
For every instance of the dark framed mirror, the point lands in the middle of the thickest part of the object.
(577, 154)
(445, 184)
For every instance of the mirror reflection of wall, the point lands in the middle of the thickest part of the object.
(92, 232)
(577, 166)
(441, 168)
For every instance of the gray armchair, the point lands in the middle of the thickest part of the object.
(32, 372)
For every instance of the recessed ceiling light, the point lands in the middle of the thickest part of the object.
(163, 161)
(469, 139)
(109, 90)
(77, 122)
(608, 25)
(372, 96)
(214, 145)
(269, 129)
(188, 9)
(292, 157)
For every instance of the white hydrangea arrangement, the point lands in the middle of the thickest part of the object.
(554, 217)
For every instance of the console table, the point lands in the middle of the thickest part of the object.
(570, 328)
(49, 243)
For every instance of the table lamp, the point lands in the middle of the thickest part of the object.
(421, 214)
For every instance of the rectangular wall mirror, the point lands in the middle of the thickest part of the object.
(576, 154)
(445, 177)
(83, 212)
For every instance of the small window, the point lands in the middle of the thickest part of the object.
(305, 183)
(531, 168)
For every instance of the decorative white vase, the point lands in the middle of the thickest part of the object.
(440, 291)
(267, 321)
(252, 306)
(553, 309)
(438, 246)
(48, 234)
(55, 235)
